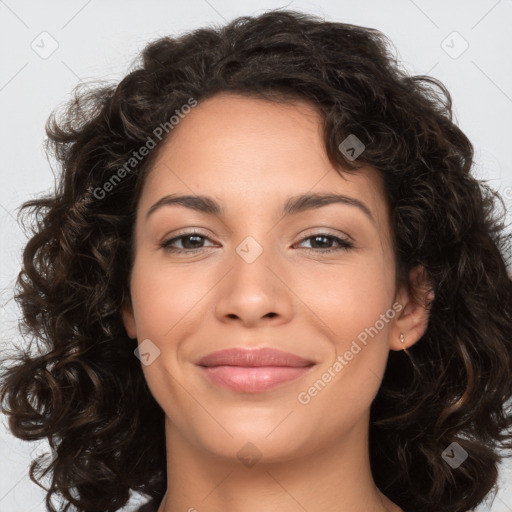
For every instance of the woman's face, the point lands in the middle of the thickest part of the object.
(315, 281)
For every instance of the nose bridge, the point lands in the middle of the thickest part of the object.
(256, 247)
(252, 288)
(254, 257)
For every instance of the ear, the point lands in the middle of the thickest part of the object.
(412, 320)
(128, 318)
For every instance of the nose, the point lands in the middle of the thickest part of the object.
(255, 292)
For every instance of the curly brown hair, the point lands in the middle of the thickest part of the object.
(85, 391)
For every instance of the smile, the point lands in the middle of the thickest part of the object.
(253, 370)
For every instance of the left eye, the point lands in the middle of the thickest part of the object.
(193, 242)
(343, 245)
(194, 237)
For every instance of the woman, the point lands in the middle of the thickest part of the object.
(266, 281)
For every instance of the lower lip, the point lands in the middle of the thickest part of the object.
(253, 379)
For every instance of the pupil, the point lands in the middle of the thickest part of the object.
(321, 238)
(191, 237)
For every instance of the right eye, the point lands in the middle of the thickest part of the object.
(192, 239)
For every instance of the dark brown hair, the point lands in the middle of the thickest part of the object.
(84, 389)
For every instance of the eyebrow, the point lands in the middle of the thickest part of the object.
(293, 206)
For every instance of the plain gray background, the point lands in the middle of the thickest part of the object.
(46, 48)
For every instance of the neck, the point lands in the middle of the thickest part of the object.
(335, 477)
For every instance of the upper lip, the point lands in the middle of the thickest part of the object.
(253, 357)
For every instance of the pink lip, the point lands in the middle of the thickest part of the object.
(253, 357)
(253, 370)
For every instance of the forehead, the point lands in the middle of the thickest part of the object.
(251, 152)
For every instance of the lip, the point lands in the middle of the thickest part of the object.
(253, 370)
(253, 357)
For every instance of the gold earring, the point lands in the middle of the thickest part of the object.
(402, 340)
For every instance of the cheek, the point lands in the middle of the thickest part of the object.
(165, 298)
(357, 310)
(369, 295)
(351, 312)
(166, 305)
(351, 298)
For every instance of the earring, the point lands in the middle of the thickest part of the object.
(402, 340)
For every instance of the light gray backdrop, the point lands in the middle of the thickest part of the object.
(47, 47)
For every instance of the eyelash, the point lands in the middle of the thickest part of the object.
(345, 245)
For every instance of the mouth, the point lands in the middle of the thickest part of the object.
(253, 370)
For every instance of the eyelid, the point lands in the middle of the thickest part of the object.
(183, 234)
(345, 242)
(322, 230)
(316, 231)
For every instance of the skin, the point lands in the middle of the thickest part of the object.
(251, 155)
